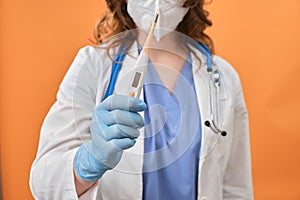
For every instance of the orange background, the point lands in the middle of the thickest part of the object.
(261, 39)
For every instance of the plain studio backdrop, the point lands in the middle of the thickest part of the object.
(39, 40)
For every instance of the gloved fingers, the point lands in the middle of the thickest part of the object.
(123, 102)
(126, 118)
(122, 117)
(118, 131)
(124, 143)
(97, 125)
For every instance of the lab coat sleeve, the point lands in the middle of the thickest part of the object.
(238, 178)
(65, 127)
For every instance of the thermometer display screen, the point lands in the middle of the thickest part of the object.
(136, 79)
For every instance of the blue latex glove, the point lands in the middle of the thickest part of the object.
(114, 128)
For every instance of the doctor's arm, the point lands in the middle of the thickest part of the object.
(79, 141)
(64, 129)
(238, 177)
(114, 128)
(81, 186)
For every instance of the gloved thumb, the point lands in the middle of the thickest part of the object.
(123, 102)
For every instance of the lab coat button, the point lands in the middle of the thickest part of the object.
(203, 198)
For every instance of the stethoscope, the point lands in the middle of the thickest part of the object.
(214, 86)
(214, 90)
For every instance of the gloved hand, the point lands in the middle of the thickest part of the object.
(114, 128)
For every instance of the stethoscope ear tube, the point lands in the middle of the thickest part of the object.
(214, 94)
(214, 90)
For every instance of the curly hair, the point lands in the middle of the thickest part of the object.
(117, 20)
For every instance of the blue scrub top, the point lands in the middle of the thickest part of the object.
(172, 137)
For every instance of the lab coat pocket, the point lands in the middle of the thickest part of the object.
(209, 142)
(214, 144)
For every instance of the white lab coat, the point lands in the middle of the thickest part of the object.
(224, 166)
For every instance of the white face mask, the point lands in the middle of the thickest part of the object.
(171, 13)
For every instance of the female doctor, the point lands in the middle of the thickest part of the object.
(167, 144)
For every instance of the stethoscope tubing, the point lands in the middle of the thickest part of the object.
(214, 86)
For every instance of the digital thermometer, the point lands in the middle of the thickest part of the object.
(140, 68)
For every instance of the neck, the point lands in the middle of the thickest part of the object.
(169, 43)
